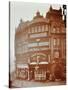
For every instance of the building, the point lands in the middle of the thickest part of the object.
(39, 44)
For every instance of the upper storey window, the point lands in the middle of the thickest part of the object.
(63, 30)
(32, 29)
(43, 28)
(58, 30)
(37, 29)
(46, 27)
(29, 31)
(39, 35)
(56, 42)
(54, 30)
(34, 44)
(56, 54)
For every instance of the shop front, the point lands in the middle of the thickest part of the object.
(38, 71)
(22, 71)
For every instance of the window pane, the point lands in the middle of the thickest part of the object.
(58, 42)
(63, 30)
(36, 29)
(44, 44)
(39, 35)
(54, 42)
(58, 30)
(39, 28)
(32, 29)
(56, 54)
(38, 44)
(54, 30)
(29, 30)
(43, 28)
(46, 28)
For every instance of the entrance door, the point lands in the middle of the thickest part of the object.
(32, 74)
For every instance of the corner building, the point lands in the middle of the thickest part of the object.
(40, 43)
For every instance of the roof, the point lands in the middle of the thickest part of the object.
(39, 20)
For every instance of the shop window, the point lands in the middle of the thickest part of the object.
(40, 74)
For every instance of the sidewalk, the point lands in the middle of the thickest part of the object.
(26, 83)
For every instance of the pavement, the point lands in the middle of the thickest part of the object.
(32, 83)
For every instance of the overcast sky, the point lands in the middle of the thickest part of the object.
(26, 11)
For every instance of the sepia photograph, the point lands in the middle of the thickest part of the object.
(37, 44)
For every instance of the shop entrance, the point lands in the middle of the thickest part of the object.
(38, 73)
(38, 66)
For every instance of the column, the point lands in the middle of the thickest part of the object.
(49, 58)
(28, 75)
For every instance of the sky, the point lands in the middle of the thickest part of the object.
(25, 11)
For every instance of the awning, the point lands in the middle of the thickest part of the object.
(43, 63)
(33, 63)
(22, 66)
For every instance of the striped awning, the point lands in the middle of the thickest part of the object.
(43, 63)
(34, 63)
(22, 65)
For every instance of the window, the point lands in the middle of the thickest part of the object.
(29, 31)
(39, 35)
(63, 30)
(43, 43)
(56, 42)
(58, 30)
(38, 44)
(56, 54)
(43, 28)
(54, 30)
(32, 29)
(46, 28)
(64, 48)
(36, 29)
(32, 44)
(39, 28)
